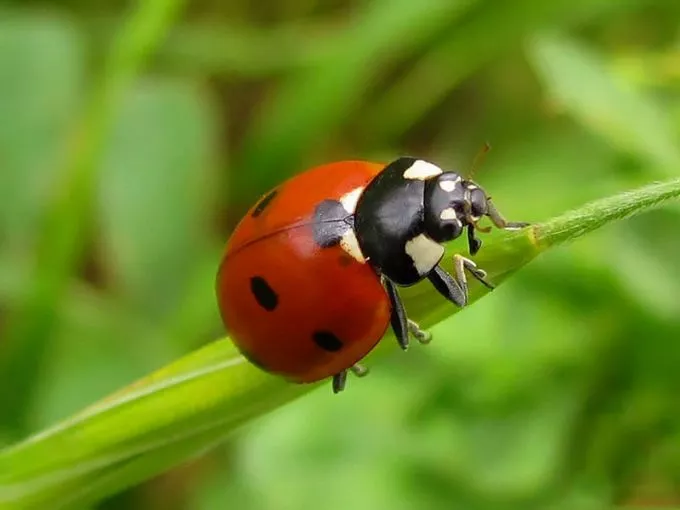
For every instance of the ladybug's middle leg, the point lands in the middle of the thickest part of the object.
(423, 336)
(359, 370)
(401, 324)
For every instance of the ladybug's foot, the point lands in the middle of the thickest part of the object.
(423, 336)
(339, 381)
(461, 265)
(359, 370)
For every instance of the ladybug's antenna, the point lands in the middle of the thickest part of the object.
(479, 159)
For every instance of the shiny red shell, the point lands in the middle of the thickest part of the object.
(315, 289)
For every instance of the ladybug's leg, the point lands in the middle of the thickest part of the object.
(401, 324)
(501, 222)
(339, 381)
(359, 370)
(474, 243)
(462, 264)
(398, 318)
(448, 286)
(424, 337)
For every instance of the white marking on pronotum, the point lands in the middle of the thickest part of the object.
(448, 186)
(422, 170)
(348, 241)
(448, 214)
(350, 244)
(424, 252)
(349, 200)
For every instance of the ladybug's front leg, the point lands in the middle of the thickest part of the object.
(455, 288)
(448, 286)
(461, 265)
(474, 243)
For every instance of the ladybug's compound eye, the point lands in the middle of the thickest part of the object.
(478, 202)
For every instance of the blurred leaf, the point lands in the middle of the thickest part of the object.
(99, 344)
(197, 319)
(485, 34)
(67, 216)
(155, 193)
(309, 107)
(236, 49)
(40, 82)
(579, 81)
(193, 403)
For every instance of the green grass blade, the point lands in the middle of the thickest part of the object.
(188, 406)
(60, 245)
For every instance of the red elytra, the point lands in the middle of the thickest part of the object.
(293, 307)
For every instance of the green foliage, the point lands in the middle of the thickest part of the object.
(62, 233)
(132, 141)
(193, 403)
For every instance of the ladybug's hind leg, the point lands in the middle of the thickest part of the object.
(340, 379)
(359, 370)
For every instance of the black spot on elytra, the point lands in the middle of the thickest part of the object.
(262, 204)
(264, 294)
(331, 221)
(327, 341)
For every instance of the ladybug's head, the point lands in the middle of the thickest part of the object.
(451, 204)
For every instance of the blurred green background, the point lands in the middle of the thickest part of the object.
(558, 391)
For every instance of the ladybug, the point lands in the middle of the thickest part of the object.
(308, 284)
